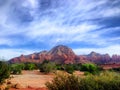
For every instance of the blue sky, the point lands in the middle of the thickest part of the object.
(28, 26)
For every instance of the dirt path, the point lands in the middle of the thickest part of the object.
(33, 79)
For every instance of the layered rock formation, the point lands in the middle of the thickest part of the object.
(64, 54)
(58, 54)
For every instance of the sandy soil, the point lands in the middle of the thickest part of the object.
(29, 89)
(32, 79)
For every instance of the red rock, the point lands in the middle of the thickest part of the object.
(64, 54)
(59, 54)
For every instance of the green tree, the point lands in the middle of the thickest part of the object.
(89, 67)
(4, 71)
(17, 68)
(30, 66)
(47, 67)
(69, 68)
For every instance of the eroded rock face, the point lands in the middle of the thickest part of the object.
(35, 57)
(98, 58)
(58, 54)
(64, 54)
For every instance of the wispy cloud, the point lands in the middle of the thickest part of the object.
(8, 53)
(114, 49)
(38, 24)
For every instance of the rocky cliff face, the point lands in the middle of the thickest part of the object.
(58, 54)
(98, 58)
(64, 54)
(35, 57)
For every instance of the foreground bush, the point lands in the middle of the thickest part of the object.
(64, 82)
(89, 68)
(47, 67)
(115, 69)
(69, 68)
(30, 66)
(104, 81)
(4, 71)
(17, 68)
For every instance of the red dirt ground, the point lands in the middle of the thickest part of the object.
(30, 89)
(110, 66)
(34, 80)
(31, 80)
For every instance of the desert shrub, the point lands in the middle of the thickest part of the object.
(4, 71)
(45, 61)
(89, 67)
(59, 67)
(64, 82)
(115, 69)
(103, 81)
(87, 73)
(30, 66)
(47, 67)
(76, 66)
(22, 66)
(17, 68)
(69, 68)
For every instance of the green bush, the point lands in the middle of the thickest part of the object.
(59, 67)
(30, 66)
(64, 82)
(69, 68)
(89, 67)
(4, 71)
(115, 69)
(76, 66)
(47, 67)
(103, 81)
(17, 68)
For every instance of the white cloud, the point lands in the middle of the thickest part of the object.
(113, 49)
(30, 3)
(53, 32)
(111, 12)
(10, 53)
(65, 23)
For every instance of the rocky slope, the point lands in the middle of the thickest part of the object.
(64, 54)
(58, 54)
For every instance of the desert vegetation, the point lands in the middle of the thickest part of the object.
(30, 66)
(48, 67)
(104, 81)
(90, 68)
(94, 77)
(4, 71)
(18, 67)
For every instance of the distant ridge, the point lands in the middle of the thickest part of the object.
(63, 54)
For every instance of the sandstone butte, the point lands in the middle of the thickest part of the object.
(63, 54)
